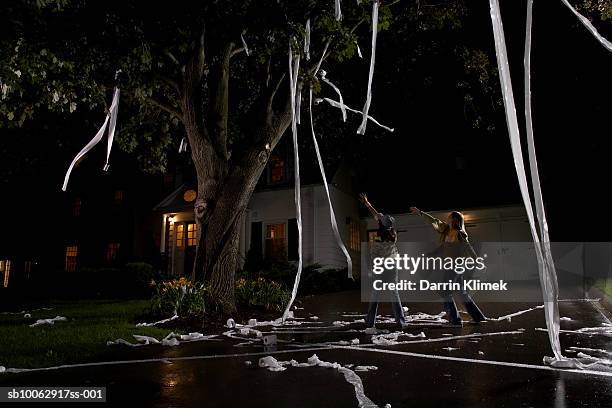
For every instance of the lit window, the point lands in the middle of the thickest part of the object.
(276, 244)
(354, 236)
(180, 234)
(372, 235)
(111, 251)
(191, 234)
(276, 170)
(5, 266)
(118, 197)
(71, 258)
(76, 207)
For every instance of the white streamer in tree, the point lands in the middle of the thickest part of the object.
(332, 214)
(111, 117)
(244, 45)
(359, 50)
(337, 104)
(298, 104)
(549, 284)
(546, 271)
(330, 83)
(111, 126)
(366, 107)
(338, 11)
(307, 41)
(318, 67)
(183, 145)
(294, 68)
(585, 21)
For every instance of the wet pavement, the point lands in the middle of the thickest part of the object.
(489, 368)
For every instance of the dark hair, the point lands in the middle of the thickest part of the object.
(386, 234)
(457, 221)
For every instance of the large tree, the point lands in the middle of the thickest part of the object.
(183, 72)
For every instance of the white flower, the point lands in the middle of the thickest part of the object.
(18, 73)
(72, 106)
(5, 90)
(55, 96)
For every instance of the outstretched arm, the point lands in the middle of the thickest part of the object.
(364, 200)
(438, 225)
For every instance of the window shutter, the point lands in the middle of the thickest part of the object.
(292, 240)
(256, 236)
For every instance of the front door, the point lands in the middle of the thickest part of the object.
(190, 248)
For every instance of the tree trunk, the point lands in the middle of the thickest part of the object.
(220, 211)
(225, 183)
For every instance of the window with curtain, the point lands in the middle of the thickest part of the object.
(276, 244)
(180, 235)
(191, 234)
(354, 236)
(276, 170)
(70, 263)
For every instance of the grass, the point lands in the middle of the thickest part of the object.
(605, 285)
(80, 339)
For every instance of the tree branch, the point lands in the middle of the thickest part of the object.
(165, 107)
(202, 54)
(236, 51)
(273, 93)
(172, 83)
(219, 111)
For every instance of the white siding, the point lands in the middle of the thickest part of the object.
(278, 206)
(319, 244)
(327, 252)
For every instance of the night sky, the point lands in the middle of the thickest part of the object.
(434, 159)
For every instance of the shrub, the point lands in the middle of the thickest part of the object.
(183, 297)
(261, 292)
(314, 279)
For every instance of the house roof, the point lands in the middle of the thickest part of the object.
(338, 174)
(175, 202)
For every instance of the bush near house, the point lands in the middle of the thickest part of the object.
(261, 292)
(183, 297)
(189, 299)
(314, 279)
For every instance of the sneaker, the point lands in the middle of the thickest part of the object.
(457, 323)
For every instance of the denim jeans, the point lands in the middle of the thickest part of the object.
(470, 306)
(396, 304)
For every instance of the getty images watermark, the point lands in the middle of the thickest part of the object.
(457, 266)
(491, 271)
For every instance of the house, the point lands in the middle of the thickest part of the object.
(104, 220)
(270, 225)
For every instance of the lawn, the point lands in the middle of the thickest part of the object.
(82, 338)
(605, 285)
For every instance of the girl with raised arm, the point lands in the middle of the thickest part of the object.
(454, 241)
(385, 247)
